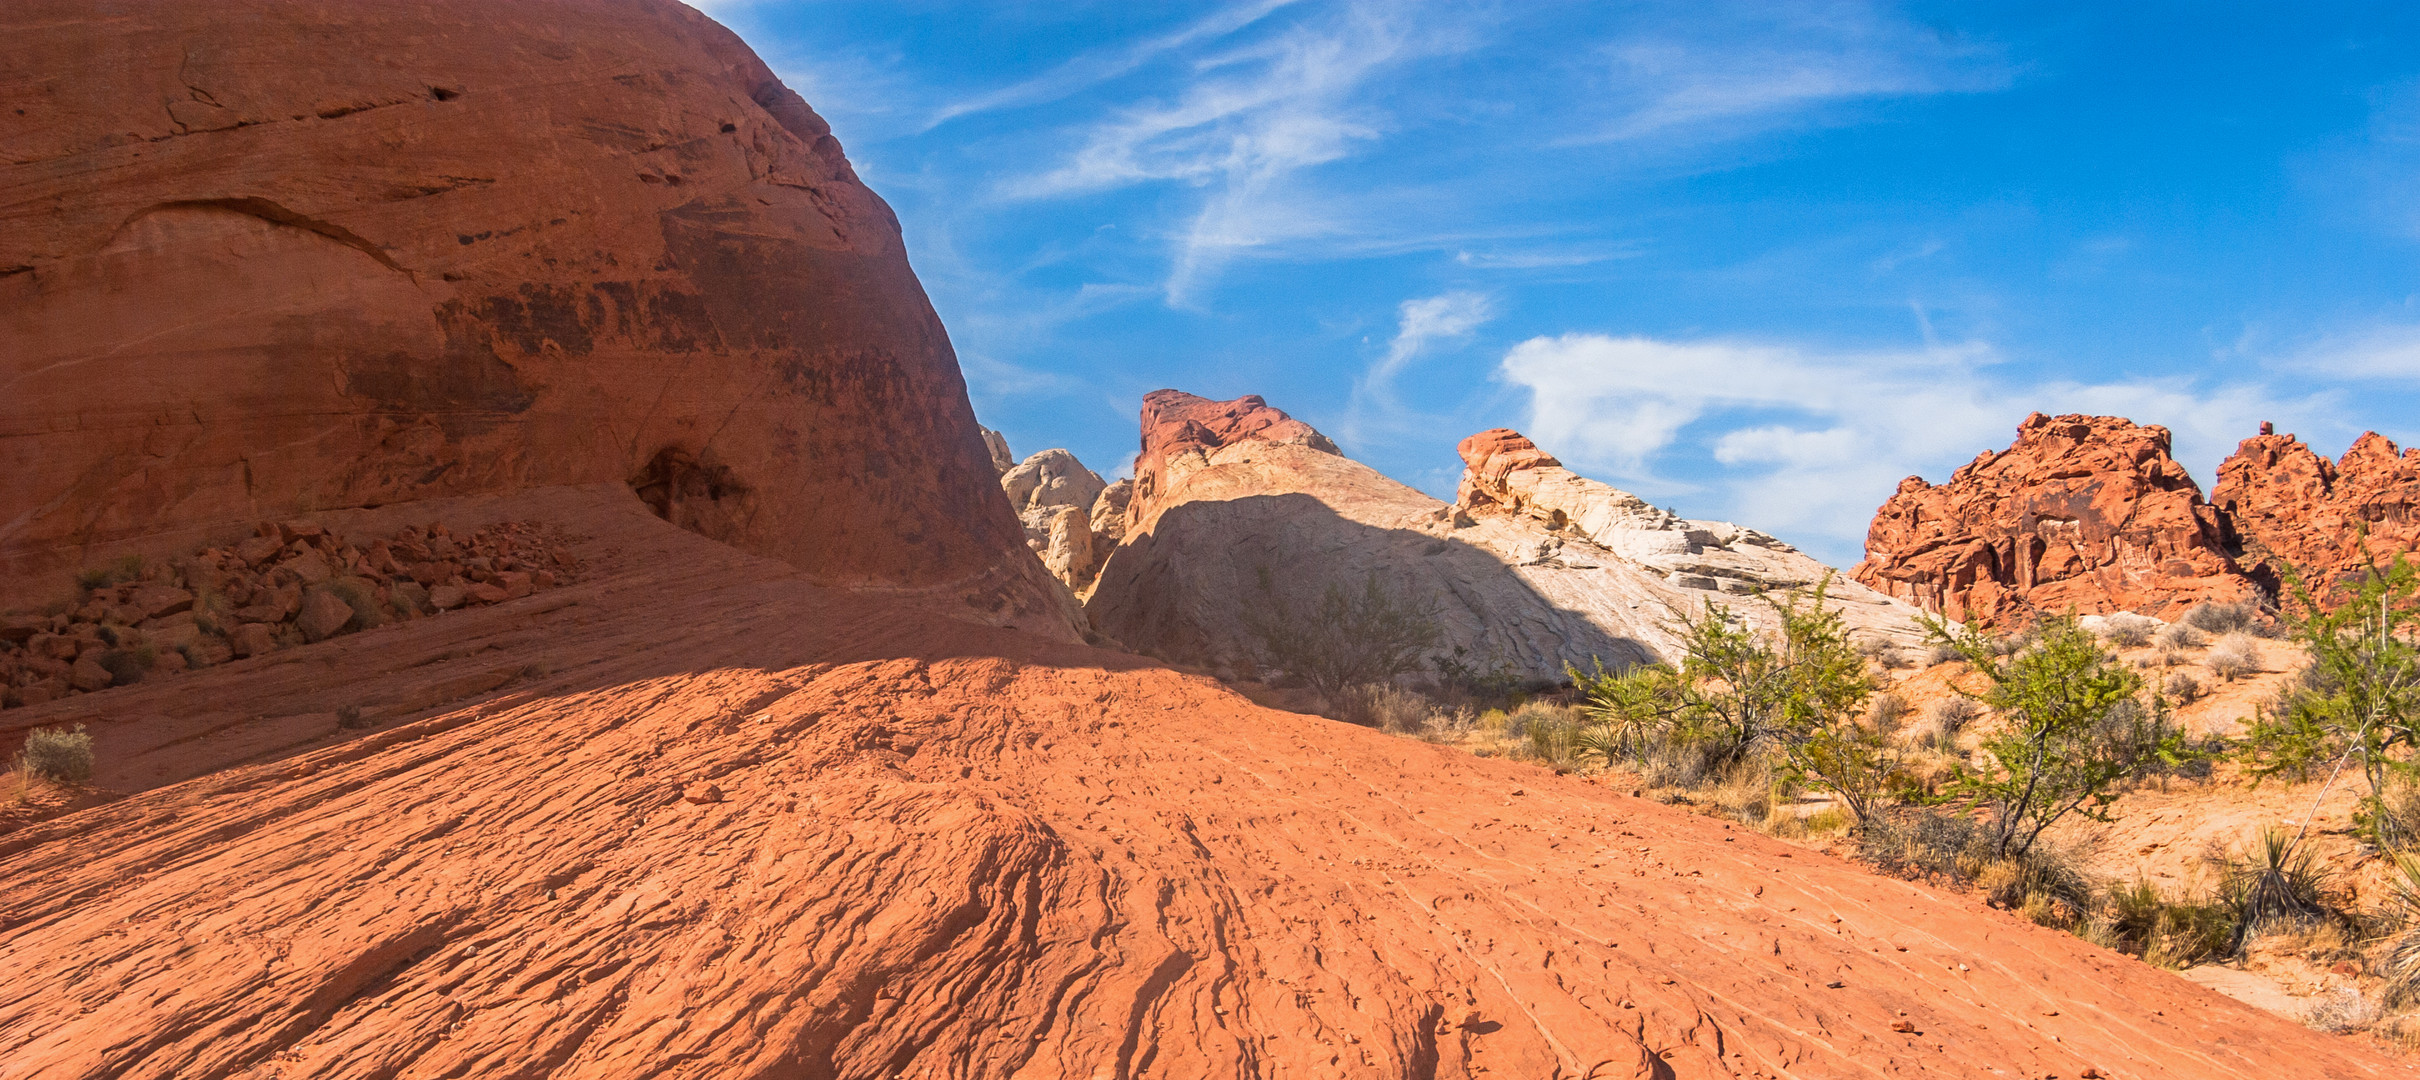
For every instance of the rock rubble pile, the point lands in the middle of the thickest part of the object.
(290, 583)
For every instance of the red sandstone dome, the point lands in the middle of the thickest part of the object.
(264, 258)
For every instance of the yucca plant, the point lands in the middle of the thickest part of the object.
(2400, 963)
(2277, 884)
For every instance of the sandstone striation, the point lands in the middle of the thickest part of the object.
(2084, 514)
(654, 824)
(1238, 509)
(262, 259)
(2287, 506)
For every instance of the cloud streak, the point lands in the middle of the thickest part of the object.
(1095, 68)
(1724, 72)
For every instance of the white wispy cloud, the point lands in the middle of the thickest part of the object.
(1447, 315)
(1375, 411)
(2383, 352)
(1094, 68)
(1253, 117)
(1810, 442)
(1719, 69)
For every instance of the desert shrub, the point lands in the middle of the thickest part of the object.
(1956, 712)
(1794, 693)
(1882, 651)
(1937, 655)
(1888, 712)
(124, 569)
(58, 754)
(2127, 630)
(2400, 960)
(2138, 920)
(128, 666)
(362, 596)
(2345, 1010)
(2183, 687)
(2234, 657)
(1348, 638)
(1383, 706)
(1488, 679)
(2216, 618)
(2177, 637)
(2074, 730)
(2359, 701)
(1959, 850)
(1549, 733)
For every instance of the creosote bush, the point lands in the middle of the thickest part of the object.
(57, 754)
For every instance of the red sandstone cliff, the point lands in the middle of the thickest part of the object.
(2288, 505)
(264, 258)
(2082, 513)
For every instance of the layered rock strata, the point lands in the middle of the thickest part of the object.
(2082, 514)
(1239, 510)
(261, 259)
(2286, 506)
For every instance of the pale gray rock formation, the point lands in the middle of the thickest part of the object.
(1223, 520)
(997, 445)
(1109, 514)
(1054, 495)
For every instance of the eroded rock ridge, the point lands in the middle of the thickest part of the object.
(2092, 514)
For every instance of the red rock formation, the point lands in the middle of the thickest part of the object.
(2288, 505)
(715, 839)
(265, 258)
(1489, 457)
(1180, 431)
(2083, 513)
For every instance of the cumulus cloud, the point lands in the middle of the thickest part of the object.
(1806, 443)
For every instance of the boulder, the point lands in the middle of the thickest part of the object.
(252, 639)
(2285, 506)
(581, 243)
(89, 673)
(324, 615)
(1240, 513)
(2082, 514)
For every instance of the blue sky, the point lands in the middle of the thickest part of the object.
(1754, 261)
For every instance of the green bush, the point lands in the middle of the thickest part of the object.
(2359, 702)
(1348, 639)
(2074, 730)
(57, 753)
